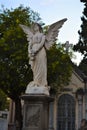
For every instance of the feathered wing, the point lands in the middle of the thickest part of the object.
(27, 31)
(53, 33)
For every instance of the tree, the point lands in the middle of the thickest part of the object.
(83, 66)
(59, 67)
(3, 101)
(15, 72)
(81, 46)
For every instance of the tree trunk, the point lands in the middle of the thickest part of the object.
(18, 114)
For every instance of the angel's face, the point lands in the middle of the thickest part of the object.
(36, 28)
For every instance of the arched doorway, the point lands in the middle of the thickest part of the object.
(66, 113)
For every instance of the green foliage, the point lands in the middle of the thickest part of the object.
(4, 104)
(81, 46)
(59, 67)
(12, 52)
(83, 66)
(14, 68)
(15, 72)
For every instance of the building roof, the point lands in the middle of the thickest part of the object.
(80, 73)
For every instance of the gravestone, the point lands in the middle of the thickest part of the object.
(3, 120)
(3, 124)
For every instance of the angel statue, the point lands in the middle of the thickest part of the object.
(38, 42)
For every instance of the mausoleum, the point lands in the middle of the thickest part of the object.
(70, 104)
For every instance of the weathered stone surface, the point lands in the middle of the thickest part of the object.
(36, 112)
(38, 43)
(3, 124)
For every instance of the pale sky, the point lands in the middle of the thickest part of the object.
(53, 10)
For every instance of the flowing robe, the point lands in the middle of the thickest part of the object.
(39, 62)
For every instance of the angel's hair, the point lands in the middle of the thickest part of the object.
(40, 28)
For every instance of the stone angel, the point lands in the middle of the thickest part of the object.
(38, 43)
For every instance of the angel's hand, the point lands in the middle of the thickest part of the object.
(32, 52)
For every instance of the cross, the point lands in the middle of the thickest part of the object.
(68, 45)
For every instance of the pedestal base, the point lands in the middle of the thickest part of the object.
(32, 88)
(36, 112)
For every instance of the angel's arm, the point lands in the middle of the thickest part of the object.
(41, 43)
(30, 46)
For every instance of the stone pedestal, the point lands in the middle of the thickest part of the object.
(36, 112)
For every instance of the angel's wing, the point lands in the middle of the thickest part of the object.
(27, 31)
(53, 33)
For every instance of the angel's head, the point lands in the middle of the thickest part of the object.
(37, 27)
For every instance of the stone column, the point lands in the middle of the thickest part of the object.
(36, 111)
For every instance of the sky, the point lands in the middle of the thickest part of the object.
(53, 10)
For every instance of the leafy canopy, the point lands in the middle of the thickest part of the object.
(81, 46)
(14, 68)
(15, 72)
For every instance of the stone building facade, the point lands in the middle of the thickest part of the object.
(70, 105)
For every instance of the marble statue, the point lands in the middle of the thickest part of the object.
(38, 43)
